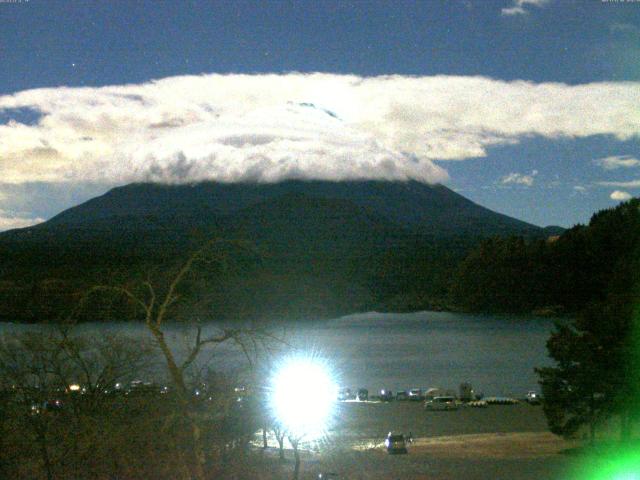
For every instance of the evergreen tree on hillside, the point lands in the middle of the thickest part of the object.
(502, 275)
(597, 372)
(580, 268)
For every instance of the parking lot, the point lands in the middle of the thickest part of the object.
(496, 442)
(369, 419)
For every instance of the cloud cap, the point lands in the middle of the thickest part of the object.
(269, 127)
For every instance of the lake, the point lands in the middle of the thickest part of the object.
(434, 349)
(496, 354)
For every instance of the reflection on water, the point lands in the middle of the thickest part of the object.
(398, 351)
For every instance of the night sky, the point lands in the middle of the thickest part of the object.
(528, 107)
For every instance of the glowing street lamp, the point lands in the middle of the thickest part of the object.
(302, 399)
(303, 395)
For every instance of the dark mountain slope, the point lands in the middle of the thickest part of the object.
(298, 224)
(324, 248)
(432, 209)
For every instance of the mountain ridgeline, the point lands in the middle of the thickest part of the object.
(317, 248)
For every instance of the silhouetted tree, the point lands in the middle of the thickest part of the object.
(155, 299)
(597, 372)
(37, 369)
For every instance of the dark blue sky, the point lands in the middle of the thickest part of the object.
(83, 43)
(121, 42)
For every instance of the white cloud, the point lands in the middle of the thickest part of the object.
(620, 195)
(519, 179)
(9, 221)
(617, 161)
(518, 7)
(270, 127)
(629, 184)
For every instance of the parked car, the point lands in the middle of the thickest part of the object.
(53, 405)
(395, 443)
(441, 403)
(386, 395)
(363, 394)
(402, 395)
(138, 388)
(415, 394)
(47, 406)
(432, 393)
(533, 398)
(345, 394)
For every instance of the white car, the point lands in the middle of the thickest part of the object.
(441, 403)
(415, 394)
(533, 398)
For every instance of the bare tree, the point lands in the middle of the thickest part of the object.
(295, 443)
(37, 370)
(280, 434)
(25, 364)
(156, 302)
(96, 365)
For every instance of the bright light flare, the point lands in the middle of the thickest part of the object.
(610, 462)
(303, 395)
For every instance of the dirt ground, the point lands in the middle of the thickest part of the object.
(497, 442)
(367, 420)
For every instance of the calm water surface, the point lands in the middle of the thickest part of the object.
(496, 354)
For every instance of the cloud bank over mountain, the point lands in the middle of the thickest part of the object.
(270, 127)
(10, 220)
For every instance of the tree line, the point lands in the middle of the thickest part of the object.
(591, 274)
(79, 407)
(561, 274)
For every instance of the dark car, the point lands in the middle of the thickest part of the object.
(363, 394)
(47, 406)
(386, 395)
(395, 443)
(53, 405)
(345, 394)
(402, 396)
